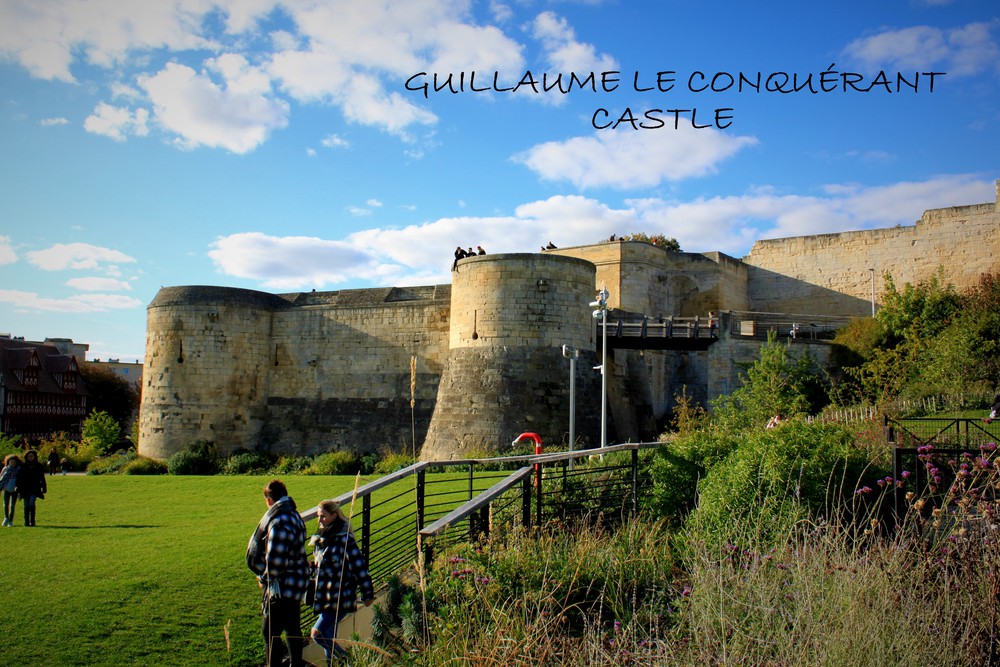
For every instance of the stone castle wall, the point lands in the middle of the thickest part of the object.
(829, 273)
(313, 372)
(511, 315)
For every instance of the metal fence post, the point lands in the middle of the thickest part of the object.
(366, 526)
(526, 502)
(635, 481)
(421, 491)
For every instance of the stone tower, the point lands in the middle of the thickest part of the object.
(206, 369)
(505, 373)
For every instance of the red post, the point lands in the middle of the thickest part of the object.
(538, 450)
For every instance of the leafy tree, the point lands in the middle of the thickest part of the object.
(108, 392)
(777, 382)
(101, 431)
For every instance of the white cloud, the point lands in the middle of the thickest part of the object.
(45, 37)
(335, 141)
(7, 253)
(374, 203)
(626, 158)
(117, 122)
(962, 51)
(51, 122)
(237, 114)
(95, 284)
(562, 49)
(290, 262)
(423, 253)
(82, 303)
(78, 256)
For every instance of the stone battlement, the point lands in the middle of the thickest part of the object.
(463, 368)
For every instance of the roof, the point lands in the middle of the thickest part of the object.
(19, 355)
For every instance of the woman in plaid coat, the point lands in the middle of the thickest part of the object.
(341, 575)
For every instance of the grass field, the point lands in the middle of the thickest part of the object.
(133, 570)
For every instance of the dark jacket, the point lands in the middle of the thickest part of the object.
(31, 479)
(341, 571)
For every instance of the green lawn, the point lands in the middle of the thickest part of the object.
(129, 570)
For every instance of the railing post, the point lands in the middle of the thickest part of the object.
(897, 472)
(635, 481)
(538, 498)
(472, 474)
(526, 501)
(366, 526)
(421, 491)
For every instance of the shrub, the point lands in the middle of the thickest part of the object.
(101, 431)
(200, 458)
(111, 464)
(391, 463)
(78, 455)
(334, 463)
(247, 463)
(141, 465)
(777, 476)
(290, 465)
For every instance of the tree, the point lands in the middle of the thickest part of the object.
(777, 382)
(108, 392)
(101, 431)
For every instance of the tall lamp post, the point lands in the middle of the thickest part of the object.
(572, 354)
(601, 314)
(872, 271)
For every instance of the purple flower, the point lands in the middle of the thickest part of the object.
(905, 474)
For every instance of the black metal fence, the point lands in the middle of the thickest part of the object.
(406, 513)
(941, 460)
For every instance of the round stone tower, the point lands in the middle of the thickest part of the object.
(511, 314)
(205, 375)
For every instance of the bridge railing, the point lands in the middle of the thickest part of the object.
(395, 516)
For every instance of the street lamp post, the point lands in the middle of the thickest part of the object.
(601, 313)
(572, 354)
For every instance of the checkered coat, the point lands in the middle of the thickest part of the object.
(280, 563)
(341, 572)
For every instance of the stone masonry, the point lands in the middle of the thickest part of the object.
(305, 373)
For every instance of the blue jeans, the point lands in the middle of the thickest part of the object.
(9, 504)
(326, 626)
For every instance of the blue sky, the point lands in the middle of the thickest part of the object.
(277, 145)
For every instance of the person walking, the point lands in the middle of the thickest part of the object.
(31, 485)
(53, 461)
(8, 482)
(276, 553)
(341, 576)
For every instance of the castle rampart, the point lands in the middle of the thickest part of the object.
(316, 371)
(511, 315)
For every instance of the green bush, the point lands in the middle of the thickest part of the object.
(200, 458)
(111, 464)
(101, 431)
(778, 476)
(247, 463)
(141, 465)
(334, 463)
(291, 465)
(391, 463)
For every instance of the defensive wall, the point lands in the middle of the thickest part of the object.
(305, 373)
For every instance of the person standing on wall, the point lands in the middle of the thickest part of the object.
(276, 553)
(31, 485)
(341, 576)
